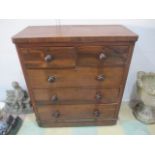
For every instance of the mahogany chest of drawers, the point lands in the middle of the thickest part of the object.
(75, 74)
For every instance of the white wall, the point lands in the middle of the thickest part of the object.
(10, 70)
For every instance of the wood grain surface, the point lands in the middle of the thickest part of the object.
(75, 75)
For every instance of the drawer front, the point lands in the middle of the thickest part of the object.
(98, 56)
(52, 57)
(68, 57)
(75, 95)
(79, 77)
(75, 113)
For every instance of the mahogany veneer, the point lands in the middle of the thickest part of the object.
(75, 74)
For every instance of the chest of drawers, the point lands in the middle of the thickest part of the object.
(75, 74)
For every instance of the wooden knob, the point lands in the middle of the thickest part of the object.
(96, 113)
(48, 58)
(51, 79)
(56, 114)
(54, 98)
(98, 96)
(100, 77)
(102, 56)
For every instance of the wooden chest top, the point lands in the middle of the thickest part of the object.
(76, 33)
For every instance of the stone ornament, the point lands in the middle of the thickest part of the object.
(17, 100)
(1, 114)
(144, 110)
(2, 104)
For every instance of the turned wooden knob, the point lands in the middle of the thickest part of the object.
(51, 79)
(48, 58)
(54, 98)
(100, 77)
(56, 114)
(98, 96)
(102, 56)
(96, 113)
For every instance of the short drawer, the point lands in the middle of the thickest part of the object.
(49, 57)
(75, 95)
(75, 113)
(109, 77)
(98, 56)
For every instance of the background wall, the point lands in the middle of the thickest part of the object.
(143, 57)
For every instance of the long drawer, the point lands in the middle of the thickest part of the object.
(75, 113)
(76, 95)
(108, 77)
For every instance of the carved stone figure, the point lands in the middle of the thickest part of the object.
(17, 100)
(144, 109)
(1, 116)
(2, 104)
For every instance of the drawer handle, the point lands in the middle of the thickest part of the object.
(96, 113)
(51, 79)
(56, 114)
(48, 58)
(100, 77)
(54, 98)
(102, 56)
(98, 96)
